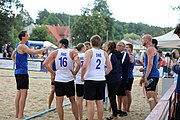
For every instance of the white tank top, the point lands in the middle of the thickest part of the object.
(78, 76)
(95, 70)
(64, 64)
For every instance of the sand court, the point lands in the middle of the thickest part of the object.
(37, 100)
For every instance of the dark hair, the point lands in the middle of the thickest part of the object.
(87, 43)
(111, 46)
(64, 42)
(155, 42)
(160, 51)
(79, 46)
(177, 29)
(22, 34)
(130, 45)
(96, 41)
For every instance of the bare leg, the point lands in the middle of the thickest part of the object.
(119, 102)
(100, 109)
(22, 102)
(90, 109)
(74, 107)
(129, 100)
(151, 99)
(51, 96)
(124, 102)
(59, 102)
(144, 91)
(80, 107)
(18, 95)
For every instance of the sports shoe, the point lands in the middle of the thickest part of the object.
(121, 113)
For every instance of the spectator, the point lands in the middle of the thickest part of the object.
(176, 69)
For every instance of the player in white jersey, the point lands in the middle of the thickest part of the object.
(80, 84)
(64, 75)
(93, 75)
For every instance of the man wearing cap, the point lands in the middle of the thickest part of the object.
(64, 76)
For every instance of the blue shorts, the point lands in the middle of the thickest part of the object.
(178, 85)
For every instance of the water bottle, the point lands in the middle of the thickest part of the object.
(150, 81)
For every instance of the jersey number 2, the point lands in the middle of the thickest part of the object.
(98, 61)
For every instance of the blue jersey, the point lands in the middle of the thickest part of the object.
(131, 67)
(154, 71)
(21, 62)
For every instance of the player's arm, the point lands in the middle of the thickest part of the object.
(13, 56)
(48, 61)
(108, 64)
(87, 58)
(76, 59)
(26, 49)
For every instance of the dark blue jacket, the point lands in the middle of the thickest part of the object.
(125, 67)
(176, 69)
(116, 73)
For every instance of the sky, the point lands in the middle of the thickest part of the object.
(151, 12)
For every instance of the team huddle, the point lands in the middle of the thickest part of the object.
(86, 72)
(94, 68)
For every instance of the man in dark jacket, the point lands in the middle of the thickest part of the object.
(123, 86)
(176, 69)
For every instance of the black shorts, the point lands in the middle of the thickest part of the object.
(79, 90)
(62, 89)
(122, 89)
(129, 84)
(113, 89)
(94, 90)
(152, 85)
(22, 81)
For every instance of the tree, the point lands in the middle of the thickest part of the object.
(42, 16)
(40, 33)
(102, 8)
(82, 28)
(10, 18)
(52, 20)
(132, 36)
(94, 21)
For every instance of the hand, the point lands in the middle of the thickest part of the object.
(53, 74)
(73, 72)
(141, 81)
(48, 47)
(145, 82)
(141, 69)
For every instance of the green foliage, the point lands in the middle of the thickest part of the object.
(42, 16)
(12, 20)
(132, 36)
(40, 33)
(46, 18)
(52, 20)
(94, 21)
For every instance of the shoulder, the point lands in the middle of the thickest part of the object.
(73, 53)
(151, 51)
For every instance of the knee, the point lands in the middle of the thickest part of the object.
(72, 99)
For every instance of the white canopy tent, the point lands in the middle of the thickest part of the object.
(41, 43)
(168, 40)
